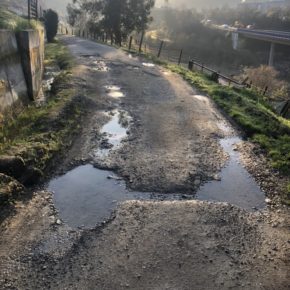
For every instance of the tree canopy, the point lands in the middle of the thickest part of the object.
(117, 18)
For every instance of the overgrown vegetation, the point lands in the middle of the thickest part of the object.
(11, 21)
(41, 132)
(263, 77)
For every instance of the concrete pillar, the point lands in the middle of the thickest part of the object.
(271, 56)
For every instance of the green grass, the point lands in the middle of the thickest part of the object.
(58, 54)
(38, 133)
(11, 21)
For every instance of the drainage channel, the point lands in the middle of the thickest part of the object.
(87, 196)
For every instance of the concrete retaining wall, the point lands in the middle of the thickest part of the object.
(13, 88)
(31, 48)
(21, 68)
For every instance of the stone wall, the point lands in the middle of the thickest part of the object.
(21, 68)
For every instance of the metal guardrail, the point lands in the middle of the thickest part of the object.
(204, 68)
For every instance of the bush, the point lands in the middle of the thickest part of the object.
(266, 76)
(51, 24)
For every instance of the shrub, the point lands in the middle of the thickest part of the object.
(266, 76)
(51, 24)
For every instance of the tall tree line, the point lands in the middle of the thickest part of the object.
(116, 18)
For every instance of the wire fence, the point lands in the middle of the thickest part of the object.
(165, 51)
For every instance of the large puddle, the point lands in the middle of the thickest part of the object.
(86, 196)
(236, 186)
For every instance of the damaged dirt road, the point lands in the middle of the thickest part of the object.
(153, 133)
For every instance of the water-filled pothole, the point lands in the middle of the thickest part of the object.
(114, 91)
(113, 133)
(100, 65)
(148, 64)
(86, 196)
(236, 185)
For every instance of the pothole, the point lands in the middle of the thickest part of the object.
(114, 91)
(148, 64)
(234, 184)
(113, 133)
(100, 65)
(87, 196)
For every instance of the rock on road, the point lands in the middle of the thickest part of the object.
(172, 146)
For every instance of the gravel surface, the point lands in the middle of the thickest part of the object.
(172, 145)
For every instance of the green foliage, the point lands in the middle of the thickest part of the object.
(51, 24)
(117, 18)
(11, 21)
(56, 53)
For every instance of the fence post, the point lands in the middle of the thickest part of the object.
(202, 67)
(141, 41)
(180, 57)
(190, 65)
(160, 49)
(130, 42)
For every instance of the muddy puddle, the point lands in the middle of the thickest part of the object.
(113, 133)
(114, 91)
(87, 196)
(148, 64)
(234, 184)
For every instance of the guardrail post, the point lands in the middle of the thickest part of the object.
(141, 42)
(190, 65)
(130, 42)
(180, 57)
(272, 52)
(160, 49)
